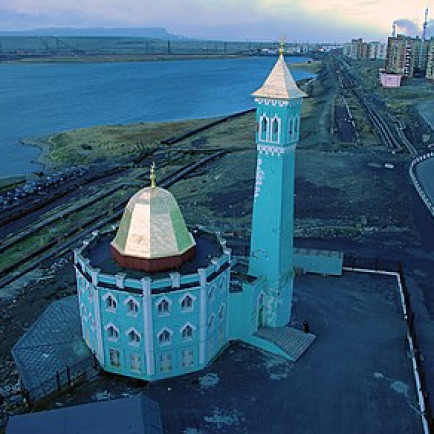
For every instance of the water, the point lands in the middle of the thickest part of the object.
(41, 99)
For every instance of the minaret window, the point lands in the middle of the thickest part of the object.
(290, 127)
(264, 128)
(275, 130)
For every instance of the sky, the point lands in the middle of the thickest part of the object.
(297, 20)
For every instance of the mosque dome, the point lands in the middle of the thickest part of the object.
(152, 234)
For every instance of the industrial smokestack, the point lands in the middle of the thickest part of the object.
(425, 23)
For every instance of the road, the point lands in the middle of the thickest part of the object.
(425, 174)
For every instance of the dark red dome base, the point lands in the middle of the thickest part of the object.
(153, 265)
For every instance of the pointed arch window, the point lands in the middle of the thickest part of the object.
(275, 130)
(222, 312)
(163, 306)
(211, 321)
(165, 337)
(187, 333)
(133, 337)
(264, 128)
(112, 332)
(110, 303)
(187, 303)
(132, 306)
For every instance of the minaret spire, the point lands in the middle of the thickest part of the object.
(152, 176)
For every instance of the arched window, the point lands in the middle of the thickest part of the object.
(221, 312)
(132, 306)
(211, 294)
(296, 125)
(133, 337)
(187, 303)
(165, 337)
(110, 303)
(275, 130)
(112, 332)
(187, 333)
(290, 128)
(163, 307)
(264, 128)
(211, 321)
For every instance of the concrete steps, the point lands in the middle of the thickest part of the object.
(291, 341)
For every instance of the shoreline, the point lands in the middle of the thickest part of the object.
(45, 160)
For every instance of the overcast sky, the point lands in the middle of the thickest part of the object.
(298, 20)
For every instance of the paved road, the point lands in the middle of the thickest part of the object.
(425, 175)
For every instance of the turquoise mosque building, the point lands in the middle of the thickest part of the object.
(158, 300)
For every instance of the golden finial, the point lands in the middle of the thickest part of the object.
(152, 176)
(282, 47)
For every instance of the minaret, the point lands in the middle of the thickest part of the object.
(278, 107)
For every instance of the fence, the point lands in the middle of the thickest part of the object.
(395, 268)
(62, 380)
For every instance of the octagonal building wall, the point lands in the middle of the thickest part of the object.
(109, 323)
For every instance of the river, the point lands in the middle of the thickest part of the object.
(41, 99)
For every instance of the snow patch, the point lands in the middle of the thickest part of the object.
(209, 380)
(221, 419)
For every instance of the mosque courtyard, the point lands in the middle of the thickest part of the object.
(355, 378)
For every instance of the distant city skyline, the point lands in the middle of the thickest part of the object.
(310, 20)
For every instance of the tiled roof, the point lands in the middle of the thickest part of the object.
(279, 84)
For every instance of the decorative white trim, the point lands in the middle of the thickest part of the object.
(148, 326)
(260, 175)
(275, 150)
(273, 102)
(186, 325)
(99, 339)
(203, 324)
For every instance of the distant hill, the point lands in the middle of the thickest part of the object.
(138, 32)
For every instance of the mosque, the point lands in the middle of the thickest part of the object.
(158, 300)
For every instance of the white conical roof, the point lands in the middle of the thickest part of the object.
(279, 84)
